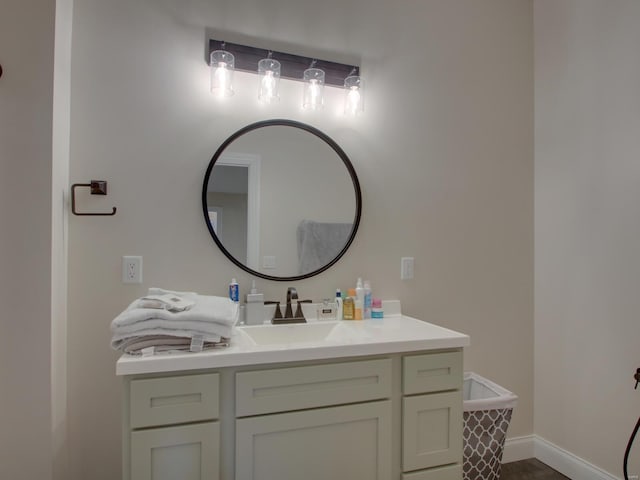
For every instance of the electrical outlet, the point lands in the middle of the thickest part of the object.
(406, 268)
(131, 269)
(633, 477)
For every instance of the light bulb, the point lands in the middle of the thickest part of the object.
(313, 88)
(354, 99)
(222, 64)
(269, 71)
(222, 78)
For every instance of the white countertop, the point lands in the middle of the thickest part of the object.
(393, 334)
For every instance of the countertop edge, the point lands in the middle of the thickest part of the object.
(127, 366)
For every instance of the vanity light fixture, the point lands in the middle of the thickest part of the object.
(353, 95)
(313, 93)
(269, 72)
(222, 66)
(271, 66)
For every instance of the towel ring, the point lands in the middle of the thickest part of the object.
(98, 187)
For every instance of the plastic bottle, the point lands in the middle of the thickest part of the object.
(357, 312)
(367, 299)
(376, 309)
(360, 291)
(357, 304)
(338, 304)
(234, 291)
(348, 306)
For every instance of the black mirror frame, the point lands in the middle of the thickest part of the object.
(343, 156)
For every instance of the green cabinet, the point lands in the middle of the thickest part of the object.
(172, 430)
(348, 442)
(188, 452)
(386, 417)
(432, 420)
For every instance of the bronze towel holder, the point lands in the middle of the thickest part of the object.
(98, 187)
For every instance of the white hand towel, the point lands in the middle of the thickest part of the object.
(196, 328)
(119, 339)
(207, 309)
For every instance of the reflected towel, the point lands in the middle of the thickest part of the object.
(319, 243)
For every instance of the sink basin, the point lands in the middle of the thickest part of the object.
(288, 334)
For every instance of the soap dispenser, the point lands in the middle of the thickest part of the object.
(254, 308)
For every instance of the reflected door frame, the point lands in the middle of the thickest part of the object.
(252, 163)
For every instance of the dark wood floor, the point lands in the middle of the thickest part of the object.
(530, 469)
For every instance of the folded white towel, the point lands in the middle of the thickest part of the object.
(206, 310)
(119, 340)
(197, 328)
(162, 291)
(168, 301)
(164, 343)
(210, 318)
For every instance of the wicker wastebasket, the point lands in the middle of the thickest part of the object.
(487, 413)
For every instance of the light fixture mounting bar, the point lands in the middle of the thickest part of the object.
(292, 66)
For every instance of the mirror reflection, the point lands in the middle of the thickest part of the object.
(281, 200)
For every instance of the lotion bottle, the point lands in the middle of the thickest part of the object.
(359, 291)
(357, 311)
(338, 304)
(367, 299)
(357, 304)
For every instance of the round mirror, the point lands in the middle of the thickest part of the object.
(281, 199)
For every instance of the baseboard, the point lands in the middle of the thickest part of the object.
(567, 463)
(518, 448)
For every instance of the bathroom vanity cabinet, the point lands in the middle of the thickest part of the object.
(391, 415)
(382, 417)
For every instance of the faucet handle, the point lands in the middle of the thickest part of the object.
(277, 313)
(299, 313)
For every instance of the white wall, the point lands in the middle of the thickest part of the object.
(444, 153)
(587, 224)
(26, 114)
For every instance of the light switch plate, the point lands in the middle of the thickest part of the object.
(406, 268)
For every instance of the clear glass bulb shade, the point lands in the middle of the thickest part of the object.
(269, 74)
(313, 96)
(353, 95)
(222, 66)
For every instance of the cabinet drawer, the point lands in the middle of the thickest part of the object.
(435, 372)
(450, 472)
(171, 400)
(297, 388)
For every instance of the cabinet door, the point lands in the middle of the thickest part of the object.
(339, 443)
(189, 452)
(431, 430)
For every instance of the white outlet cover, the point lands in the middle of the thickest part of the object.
(131, 269)
(406, 268)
